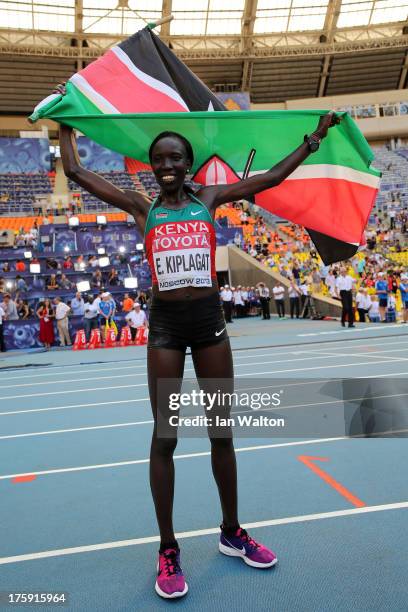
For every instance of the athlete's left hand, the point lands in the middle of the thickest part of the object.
(326, 122)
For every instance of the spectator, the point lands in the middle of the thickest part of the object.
(317, 280)
(68, 265)
(21, 285)
(107, 309)
(64, 283)
(23, 309)
(127, 303)
(20, 266)
(344, 286)
(93, 261)
(52, 284)
(403, 288)
(363, 303)
(6, 267)
(45, 313)
(227, 303)
(78, 305)
(238, 302)
(90, 317)
(143, 300)
(265, 299)
(80, 265)
(97, 279)
(279, 296)
(294, 299)
(374, 310)
(113, 278)
(381, 288)
(254, 303)
(10, 308)
(136, 318)
(2, 318)
(331, 284)
(50, 263)
(61, 315)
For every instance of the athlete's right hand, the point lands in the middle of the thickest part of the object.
(60, 89)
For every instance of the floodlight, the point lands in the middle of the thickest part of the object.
(73, 222)
(130, 282)
(83, 286)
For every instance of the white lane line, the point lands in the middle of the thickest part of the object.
(370, 355)
(87, 390)
(70, 406)
(110, 367)
(99, 466)
(60, 431)
(342, 365)
(349, 331)
(233, 414)
(52, 373)
(147, 399)
(80, 380)
(287, 520)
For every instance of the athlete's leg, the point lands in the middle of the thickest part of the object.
(215, 362)
(163, 364)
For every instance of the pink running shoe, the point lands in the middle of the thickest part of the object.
(170, 581)
(242, 545)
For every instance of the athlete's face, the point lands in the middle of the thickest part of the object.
(170, 163)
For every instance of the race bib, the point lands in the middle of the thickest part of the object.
(181, 254)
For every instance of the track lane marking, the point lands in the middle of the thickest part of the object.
(288, 520)
(88, 390)
(233, 413)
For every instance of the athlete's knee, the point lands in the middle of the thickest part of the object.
(164, 447)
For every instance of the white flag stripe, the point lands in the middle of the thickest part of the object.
(146, 78)
(46, 101)
(96, 98)
(331, 171)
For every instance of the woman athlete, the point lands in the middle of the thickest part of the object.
(186, 311)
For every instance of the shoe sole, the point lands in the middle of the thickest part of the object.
(231, 552)
(172, 595)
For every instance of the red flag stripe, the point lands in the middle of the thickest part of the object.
(129, 91)
(305, 202)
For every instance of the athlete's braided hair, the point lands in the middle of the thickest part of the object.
(187, 145)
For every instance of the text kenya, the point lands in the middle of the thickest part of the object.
(166, 229)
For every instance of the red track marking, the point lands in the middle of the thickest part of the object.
(308, 461)
(26, 478)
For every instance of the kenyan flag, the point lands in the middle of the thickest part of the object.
(140, 88)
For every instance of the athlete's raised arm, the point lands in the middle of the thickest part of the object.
(128, 200)
(216, 195)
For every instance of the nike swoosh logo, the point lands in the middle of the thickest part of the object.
(196, 213)
(235, 548)
(220, 332)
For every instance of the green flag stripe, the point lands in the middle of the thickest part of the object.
(231, 135)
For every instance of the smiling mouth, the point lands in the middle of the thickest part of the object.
(168, 178)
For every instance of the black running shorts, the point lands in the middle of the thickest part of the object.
(196, 323)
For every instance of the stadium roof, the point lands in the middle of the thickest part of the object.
(276, 49)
